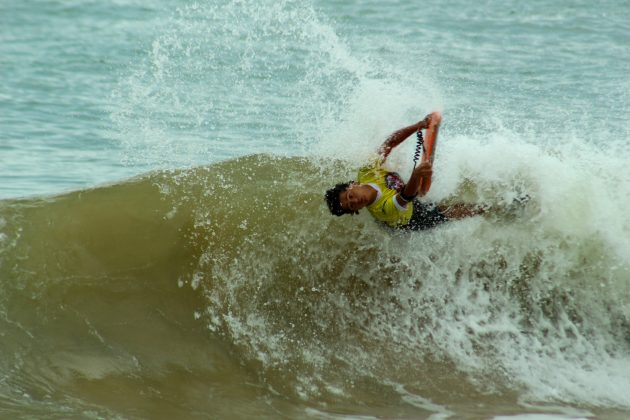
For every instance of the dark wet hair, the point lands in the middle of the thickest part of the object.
(332, 199)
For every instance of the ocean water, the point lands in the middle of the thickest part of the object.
(165, 251)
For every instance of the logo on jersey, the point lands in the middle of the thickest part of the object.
(393, 181)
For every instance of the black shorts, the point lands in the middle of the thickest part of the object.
(424, 216)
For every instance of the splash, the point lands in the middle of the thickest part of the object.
(234, 78)
(228, 78)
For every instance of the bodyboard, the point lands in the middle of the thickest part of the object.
(428, 148)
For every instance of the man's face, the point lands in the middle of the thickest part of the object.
(354, 198)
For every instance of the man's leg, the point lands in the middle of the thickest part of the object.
(461, 210)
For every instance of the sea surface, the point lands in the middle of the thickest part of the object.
(165, 251)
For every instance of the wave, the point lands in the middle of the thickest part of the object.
(239, 263)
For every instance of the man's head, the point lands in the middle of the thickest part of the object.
(333, 199)
(347, 198)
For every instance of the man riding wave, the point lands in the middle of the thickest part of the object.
(390, 200)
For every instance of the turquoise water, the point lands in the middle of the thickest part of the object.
(302, 315)
(95, 92)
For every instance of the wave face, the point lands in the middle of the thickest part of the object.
(229, 290)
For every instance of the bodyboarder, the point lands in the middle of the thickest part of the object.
(388, 198)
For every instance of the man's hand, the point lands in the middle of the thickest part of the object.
(425, 170)
(424, 124)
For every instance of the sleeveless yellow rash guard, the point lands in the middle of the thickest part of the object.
(387, 184)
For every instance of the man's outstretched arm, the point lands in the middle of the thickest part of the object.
(399, 136)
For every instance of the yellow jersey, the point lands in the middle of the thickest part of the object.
(387, 184)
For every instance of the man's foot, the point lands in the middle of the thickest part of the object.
(508, 210)
(518, 202)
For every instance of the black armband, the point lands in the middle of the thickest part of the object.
(408, 199)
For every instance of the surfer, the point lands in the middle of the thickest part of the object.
(388, 198)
